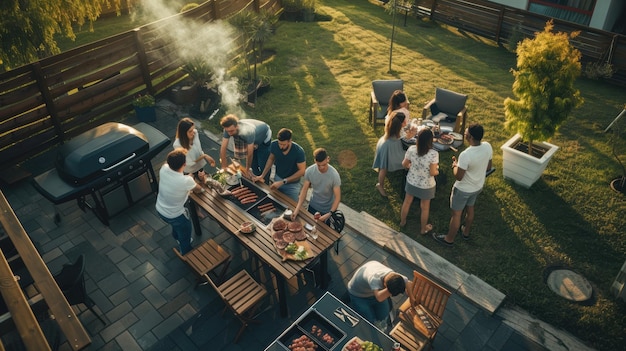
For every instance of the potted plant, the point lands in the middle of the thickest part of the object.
(547, 67)
(202, 89)
(308, 10)
(145, 107)
(254, 29)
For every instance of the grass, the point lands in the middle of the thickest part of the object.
(321, 80)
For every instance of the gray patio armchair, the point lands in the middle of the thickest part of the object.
(448, 109)
(379, 101)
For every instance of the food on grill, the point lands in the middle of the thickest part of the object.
(247, 227)
(289, 236)
(302, 343)
(301, 235)
(320, 334)
(445, 139)
(281, 244)
(278, 236)
(266, 207)
(279, 224)
(294, 227)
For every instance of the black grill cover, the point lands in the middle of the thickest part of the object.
(98, 151)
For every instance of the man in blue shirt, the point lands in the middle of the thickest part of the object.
(290, 162)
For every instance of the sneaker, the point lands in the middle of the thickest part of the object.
(441, 238)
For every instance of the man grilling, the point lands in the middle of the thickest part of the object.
(252, 141)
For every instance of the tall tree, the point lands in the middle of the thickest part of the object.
(27, 27)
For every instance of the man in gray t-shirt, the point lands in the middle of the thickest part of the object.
(326, 184)
(371, 286)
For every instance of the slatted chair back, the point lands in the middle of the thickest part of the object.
(242, 295)
(205, 258)
(423, 309)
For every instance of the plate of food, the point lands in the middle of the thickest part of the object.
(247, 227)
(356, 344)
(232, 180)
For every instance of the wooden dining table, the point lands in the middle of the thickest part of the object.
(260, 243)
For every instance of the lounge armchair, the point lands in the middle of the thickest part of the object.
(448, 109)
(379, 100)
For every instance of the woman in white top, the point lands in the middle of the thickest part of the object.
(398, 102)
(187, 138)
(423, 164)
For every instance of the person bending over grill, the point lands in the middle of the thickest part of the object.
(174, 187)
(371, 287)
(187, 138)
(252, 141)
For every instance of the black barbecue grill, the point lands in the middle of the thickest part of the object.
(111, 162)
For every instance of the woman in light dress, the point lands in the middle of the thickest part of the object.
(187, 138)
(389, 151)
(422, 162)
(398, 102)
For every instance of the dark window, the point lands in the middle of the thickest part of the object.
(577, 11)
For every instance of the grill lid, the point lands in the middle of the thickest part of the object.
(99, 151)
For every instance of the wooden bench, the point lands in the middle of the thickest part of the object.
(409, 340)
(205, 258)
(423, 309)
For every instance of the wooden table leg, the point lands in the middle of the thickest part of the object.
(324, 270)
(193, 212)
(282, 295)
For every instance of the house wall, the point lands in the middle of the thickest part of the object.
(605, 13)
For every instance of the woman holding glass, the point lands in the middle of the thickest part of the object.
(422, 161)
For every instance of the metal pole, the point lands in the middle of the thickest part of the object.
(393, 31)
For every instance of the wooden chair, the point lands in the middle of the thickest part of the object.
(242, 295)
(205, 258)
(423, 310)
(409, 340)
(448, 109)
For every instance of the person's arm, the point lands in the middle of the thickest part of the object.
(406, 163)
(292, 178)
(268, 167)
(301, 198)
(434, 169)
(249, 158)
(335, 205)
(223, 148)
(208, 158)
(198, 188)
(489, 165)
(459, 172)
(382, 295)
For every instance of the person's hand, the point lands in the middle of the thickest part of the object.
(210, 160)
(325, 217)
(258, 179)
(276, 185)
(453, 161)
(246, 173)
(201, 176)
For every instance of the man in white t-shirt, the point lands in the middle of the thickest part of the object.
(174, 188)
(470, 172)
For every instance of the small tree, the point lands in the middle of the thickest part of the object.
(547, 67)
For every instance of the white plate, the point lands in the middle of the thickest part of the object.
(446, 129)
(232, 180)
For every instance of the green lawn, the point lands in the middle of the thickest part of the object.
(321, 80)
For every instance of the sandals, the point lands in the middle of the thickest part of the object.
(381, 190)
(462, 231)
(429, 230)
(441, 238)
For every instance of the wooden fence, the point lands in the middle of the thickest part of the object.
(49, 101)
(504, 24)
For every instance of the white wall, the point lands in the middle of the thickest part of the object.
(605, 14)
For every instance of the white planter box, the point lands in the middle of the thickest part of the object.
(522, 168)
